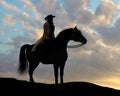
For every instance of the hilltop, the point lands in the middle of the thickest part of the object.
(14, 87)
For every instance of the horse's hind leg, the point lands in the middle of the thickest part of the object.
(32, 67)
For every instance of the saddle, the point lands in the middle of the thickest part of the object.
(45, 46)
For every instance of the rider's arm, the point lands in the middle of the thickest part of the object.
(46, 28)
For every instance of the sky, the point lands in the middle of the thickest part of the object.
(98, 62)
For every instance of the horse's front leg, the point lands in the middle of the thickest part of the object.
(61, 72)
(56, 73)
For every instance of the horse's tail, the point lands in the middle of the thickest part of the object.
(23, 64)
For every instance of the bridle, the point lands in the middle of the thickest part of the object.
(74, 46)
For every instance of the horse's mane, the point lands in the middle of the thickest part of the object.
(64, 33)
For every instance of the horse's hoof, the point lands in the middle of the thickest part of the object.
(32, 81)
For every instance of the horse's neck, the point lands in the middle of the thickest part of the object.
(63, 37)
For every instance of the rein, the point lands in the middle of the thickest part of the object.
(74, 46)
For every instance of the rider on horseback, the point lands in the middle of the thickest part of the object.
(48, 31)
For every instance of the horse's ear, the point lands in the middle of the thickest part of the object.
(75, 27)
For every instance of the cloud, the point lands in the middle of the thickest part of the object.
(8, 62)
(75, 5)
(105, 12)
(47, 7)
(28, 5)
(11, 7)
(110, 35)
(76, 11)
(8, 20)
(118, 6)
(7, 6)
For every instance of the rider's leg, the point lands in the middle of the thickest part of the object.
(36, 45)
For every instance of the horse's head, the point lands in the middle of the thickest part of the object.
(77, 36)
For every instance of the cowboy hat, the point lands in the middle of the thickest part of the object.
(49, 16)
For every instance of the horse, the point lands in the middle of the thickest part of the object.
(49, 52)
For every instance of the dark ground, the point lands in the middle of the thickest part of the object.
(14, 87)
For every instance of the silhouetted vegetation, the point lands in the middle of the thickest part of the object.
(14, 87)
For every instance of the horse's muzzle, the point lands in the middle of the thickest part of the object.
(84, 41)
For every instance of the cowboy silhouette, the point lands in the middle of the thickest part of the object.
(48, 29)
